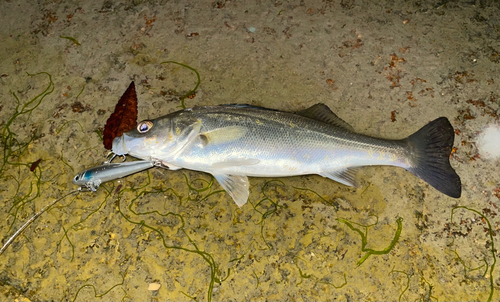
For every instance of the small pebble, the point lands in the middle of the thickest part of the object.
(489, 142)
(154, 286)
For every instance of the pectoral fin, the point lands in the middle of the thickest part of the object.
(345, 176)
(237, 187)
(223, 135)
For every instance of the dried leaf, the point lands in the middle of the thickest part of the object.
(34, 165)
(123, 119)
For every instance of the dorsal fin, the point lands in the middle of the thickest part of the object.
(321, 112)
(248, 106)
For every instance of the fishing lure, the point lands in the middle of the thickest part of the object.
(92, 178)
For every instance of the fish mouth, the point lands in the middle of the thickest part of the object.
(76, 180)
(119, 147)
(79, 178)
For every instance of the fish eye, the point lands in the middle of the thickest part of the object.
(144, 126)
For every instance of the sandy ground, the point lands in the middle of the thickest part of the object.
(385, 68)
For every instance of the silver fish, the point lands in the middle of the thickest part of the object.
(232, 142)
(92, 178)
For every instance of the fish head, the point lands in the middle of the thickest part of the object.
(160, 138)
(80, 179)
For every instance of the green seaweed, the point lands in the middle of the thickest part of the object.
(191, 187)
(11, 146)
(99, 133)
(20, 199)
(75, 41)
(208, 187)
(407, 283)
(366, 189)
(31, 220)
(70, 243)
(468, 268)
(430, 296)
(183, 106)
(142, 192)
(208, 258)
(190, 297)
(315, 193)
(274, 206)
(335, 286)
(364, 238)
(77, 224)
(306, 276)
(302, 275)
(271, 209)
(65, 162)
(83, 87)
(237, 259)
(490, 233)
(203, 189)
(227, 275)
(95, 291)
(256, 277)
(66, 123)
(86, 149)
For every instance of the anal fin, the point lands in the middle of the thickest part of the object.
(345, 176)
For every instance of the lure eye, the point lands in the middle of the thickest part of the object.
(144, 126)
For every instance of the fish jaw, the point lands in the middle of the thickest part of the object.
(137, 147)
(119, 147)
(127, 145)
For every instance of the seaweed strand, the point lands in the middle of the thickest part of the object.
(490, 233)
(364, 239)
(195, 87)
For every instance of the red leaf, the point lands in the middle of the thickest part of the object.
(123, 119)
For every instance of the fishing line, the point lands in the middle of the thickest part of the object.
(33, 218)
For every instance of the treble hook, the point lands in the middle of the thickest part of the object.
(113, 155)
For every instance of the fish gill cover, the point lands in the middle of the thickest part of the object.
(123, 119)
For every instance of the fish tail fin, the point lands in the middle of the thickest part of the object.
(431, 148)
